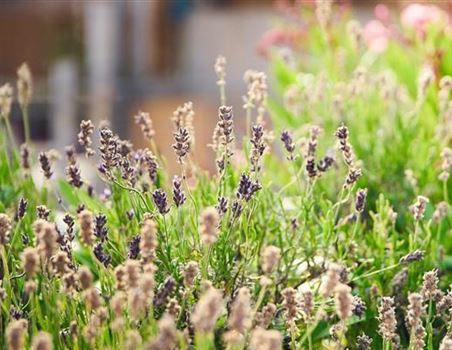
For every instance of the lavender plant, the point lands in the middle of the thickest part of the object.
(281, 251)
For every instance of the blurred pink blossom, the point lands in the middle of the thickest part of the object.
(382, 13)
(376, 35)
(419, 17)
(275, 37)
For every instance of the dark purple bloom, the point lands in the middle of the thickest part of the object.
(100, 229)
(325, 163)
(130, 214)
(73, 175)
(182, 144)
(45, 165)
(22, 208)
(360, 200)
(236, 209)
(164, 292)
(286, 138)
(100, 254)
(222, 206)
(178, 195)
(247, 188)
(42, 212)
(310, 167)
(160, 201)
(134, 247)
(417, 255)
(359, 308)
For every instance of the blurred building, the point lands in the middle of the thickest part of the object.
(105, 60)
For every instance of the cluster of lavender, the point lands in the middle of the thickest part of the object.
(119, 277)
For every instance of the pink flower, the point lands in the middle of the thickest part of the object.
(419, 17)
(376, 36)
(274, 37)
(382, 13)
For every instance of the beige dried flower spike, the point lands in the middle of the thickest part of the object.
(262, 339)
(144, 121)
(239, 320)
(86, 222)
(42, 341)
(220, 71)
(387, 319)
(207, 311)
(148, 241)
(30, 261)
(256, 94)
(5, 227)
(208, 228)
(84, 136)
(418, 208)
(47, 238)
(6, 100)
(344, 302)
(85, 277)
(166, 338)
(416, 310)
(270, 259)
(190, 272)
(446, 165)
(15, 334)
(24, 85)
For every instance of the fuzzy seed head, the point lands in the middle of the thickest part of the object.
(386, 317)
(262, 339)
(15, 334)
(207, 311)
(344, 301)
(132, 273)
(92, 298)
(47, 238)
(133, 340)
(418, 208)
(270, 259)
(148, 241)
(441, 212)
(330, 280)
(363, 342)
(290, 303)
(85, 277)
(86, 222)
(42, 341)
(220, 70)
(167, 335)
(144, 121)
(84, 137)
(430, 289)
(239, 318)
(446, 343)
(30, 261)
(208, 227)
(190, 272)
(6, 100)
(24, 85)
(5, 228)
(60, 263)
(265, 317)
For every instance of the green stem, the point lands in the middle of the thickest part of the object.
(26, 122)
(445, 192)
(375, 272)
(136, 191)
